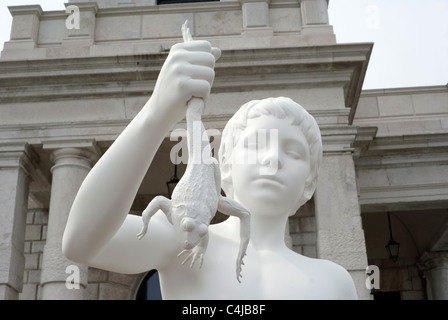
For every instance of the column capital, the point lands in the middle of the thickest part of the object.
(82, 153)
(433, 259)
(338, 139)
(18, 155)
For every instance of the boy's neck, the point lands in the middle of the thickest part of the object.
(267, 233)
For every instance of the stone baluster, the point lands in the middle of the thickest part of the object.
(71, 163)
(16, 165)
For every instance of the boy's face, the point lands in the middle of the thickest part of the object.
(270, 164)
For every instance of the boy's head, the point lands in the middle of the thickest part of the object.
(280, 108)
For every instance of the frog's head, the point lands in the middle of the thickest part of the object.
(192, 231)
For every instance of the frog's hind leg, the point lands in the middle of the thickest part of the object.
(158, 203)
(232, 208)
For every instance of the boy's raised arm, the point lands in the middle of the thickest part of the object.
(106, 195)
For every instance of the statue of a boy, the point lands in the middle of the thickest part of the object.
(101, 233)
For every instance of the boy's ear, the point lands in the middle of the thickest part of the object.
(308, 190)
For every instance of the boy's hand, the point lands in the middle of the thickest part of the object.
(187, 72)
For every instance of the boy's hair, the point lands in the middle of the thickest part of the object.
(281, 108)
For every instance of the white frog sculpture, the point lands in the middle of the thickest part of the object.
(197, 196)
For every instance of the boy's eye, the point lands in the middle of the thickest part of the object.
(293, 153)
(294, 150)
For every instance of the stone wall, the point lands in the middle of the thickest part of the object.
(302, 228)
(35, 238)
(102, 285)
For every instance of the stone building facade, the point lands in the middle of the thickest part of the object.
(70, 81)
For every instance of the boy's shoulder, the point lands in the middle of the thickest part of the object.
(334, 274)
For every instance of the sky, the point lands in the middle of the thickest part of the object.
(410, 37)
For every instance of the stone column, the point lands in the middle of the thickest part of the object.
(340, 237)
(16, 164)
(71, 163)
(435, 269)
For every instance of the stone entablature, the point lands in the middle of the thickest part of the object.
(143, 27)
(404, 111)
(405, 165)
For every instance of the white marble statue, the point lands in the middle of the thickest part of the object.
(269, 158)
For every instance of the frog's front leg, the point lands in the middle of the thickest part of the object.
(196, 253)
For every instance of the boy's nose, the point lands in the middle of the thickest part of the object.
(270, 161)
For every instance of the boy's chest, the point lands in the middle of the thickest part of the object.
(264, 276)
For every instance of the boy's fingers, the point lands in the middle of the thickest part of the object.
(216, 52)
(196, 45)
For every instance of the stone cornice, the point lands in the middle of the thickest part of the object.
(408, 149)
(25, 10)
(401, 198)
(172, 8)
(404, 90)
(80, 134)
(84, 6)
(338, 138)
(299, 67)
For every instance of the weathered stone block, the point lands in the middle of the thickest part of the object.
(397, 105)
(218, 23)
(33, 232)
(255, 14)
(282, 20)
(367, 108)
(112, 291)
